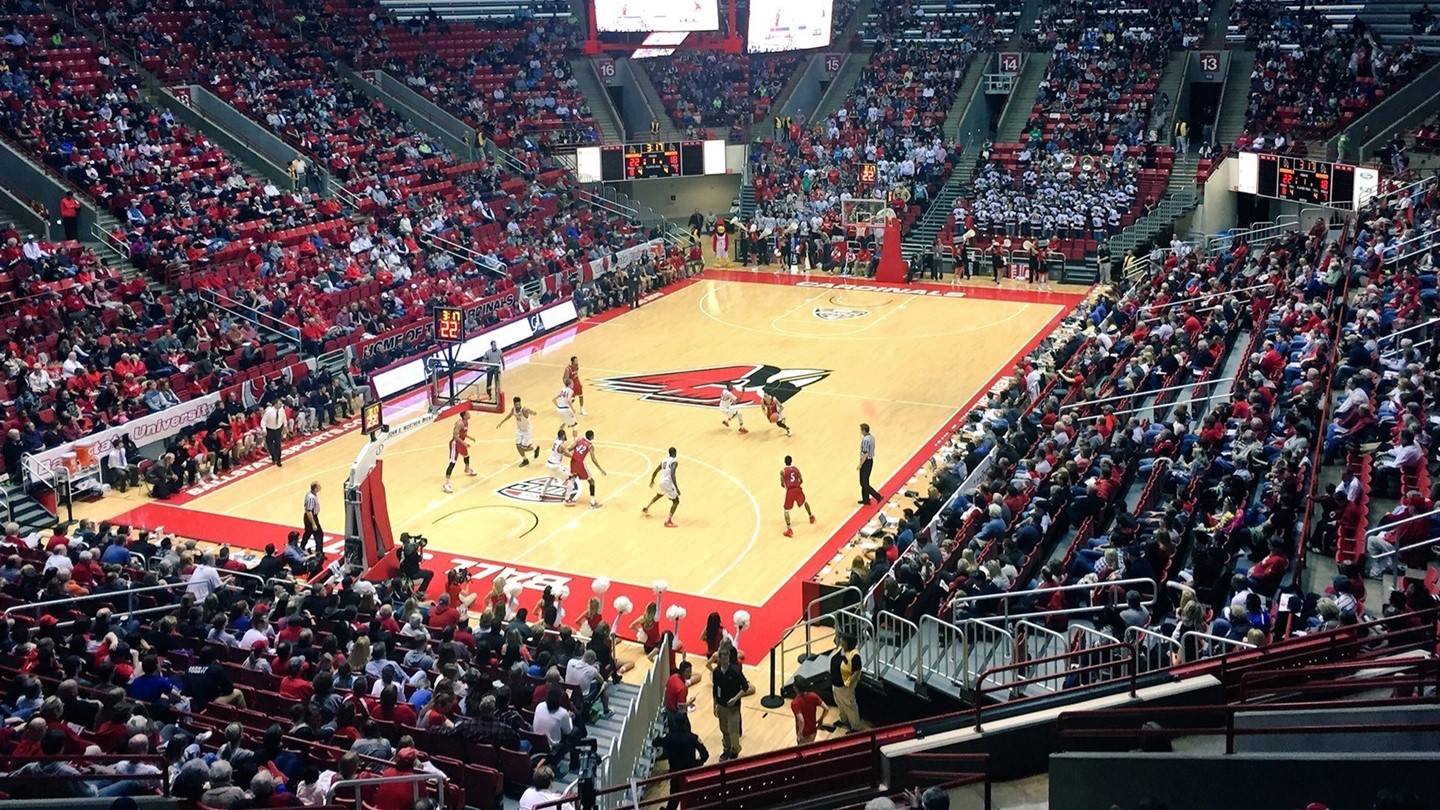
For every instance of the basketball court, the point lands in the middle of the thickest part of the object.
(907, 360)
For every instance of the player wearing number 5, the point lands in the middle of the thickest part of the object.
(459, 448)
(794, 485)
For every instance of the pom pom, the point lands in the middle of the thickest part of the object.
(623, 605)
(600, 586)
(513, 589)
(563, 592)
(661, 586)
(742, 619)
(675, 613)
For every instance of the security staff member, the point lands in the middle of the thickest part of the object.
(867, 462)
(273, 420)
(312, 518)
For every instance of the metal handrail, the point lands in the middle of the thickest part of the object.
(416, 778)
(897, 633)
(251, 314)
(1388, 526)
(1133, 635)
(1221, 640)
(1008, 595)
(104, 597)
(1043, 652)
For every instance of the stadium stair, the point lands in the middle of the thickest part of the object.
(1390, 20)
(1025, 24)
(1022, 99)
(607, 120)
(1171, 83)
(1404, 109)
(1219, 24)
(924, 232)
(744, 207)
(1158, 222)
(1231, 119)
(23, 509)
(843, 83)
(640, 81)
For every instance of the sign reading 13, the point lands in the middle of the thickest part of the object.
(449, 324)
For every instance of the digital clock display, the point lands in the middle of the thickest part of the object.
(449, 324)
(646, 160)
(1303, 180)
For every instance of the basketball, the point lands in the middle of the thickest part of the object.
(773, 416)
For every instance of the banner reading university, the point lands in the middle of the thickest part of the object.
(420, 336)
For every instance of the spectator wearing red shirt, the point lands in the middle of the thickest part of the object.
(444, 614)
(677, 689)
(397, 795)
(809, 711)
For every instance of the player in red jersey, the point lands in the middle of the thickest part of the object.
(775, 412)
(459, 448)
(582, 452)
(572, 379)
(793, 483)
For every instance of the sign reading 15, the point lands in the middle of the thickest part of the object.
(449, 324)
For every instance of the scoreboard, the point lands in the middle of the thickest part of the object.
(449, 325)
(1305, 180)
(646, 160)
(649, 160)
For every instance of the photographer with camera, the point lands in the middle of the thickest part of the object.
(412, 555)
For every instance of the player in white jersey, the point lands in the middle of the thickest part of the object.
(555, 465)
(730, 406)
(666, 487)
(523, 442)
(564, 406)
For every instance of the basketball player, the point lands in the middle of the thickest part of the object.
(521, 415)
(775, 412)
(668, 487)
(459, 448)
(580, 454)
(563, 406)
(572, 379)
(555, 465)
(794, 493)
(730, 406)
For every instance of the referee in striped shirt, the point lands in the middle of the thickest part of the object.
(867, 462)
(312, 518)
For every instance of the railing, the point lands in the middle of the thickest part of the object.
(896, 647)
(71, 603)
(485, 261)
(346, 197)
(1218, 721)
(847, 765)
(110, 242)
(1135, 583)
(264, 322)
(956, 654)
(1213, 641)
(1110, 663)
(415, 779)
(160, 779)
(814, 616)
(1036, 642)
(1145, 638)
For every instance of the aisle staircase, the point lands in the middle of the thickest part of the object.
(938, 214)
(1159, 222)
(1231, 120)
(843, 83)
(597, 97)
(1022, 99)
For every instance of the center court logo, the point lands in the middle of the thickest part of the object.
(532, 490)
(702, 386)
(839, 313)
